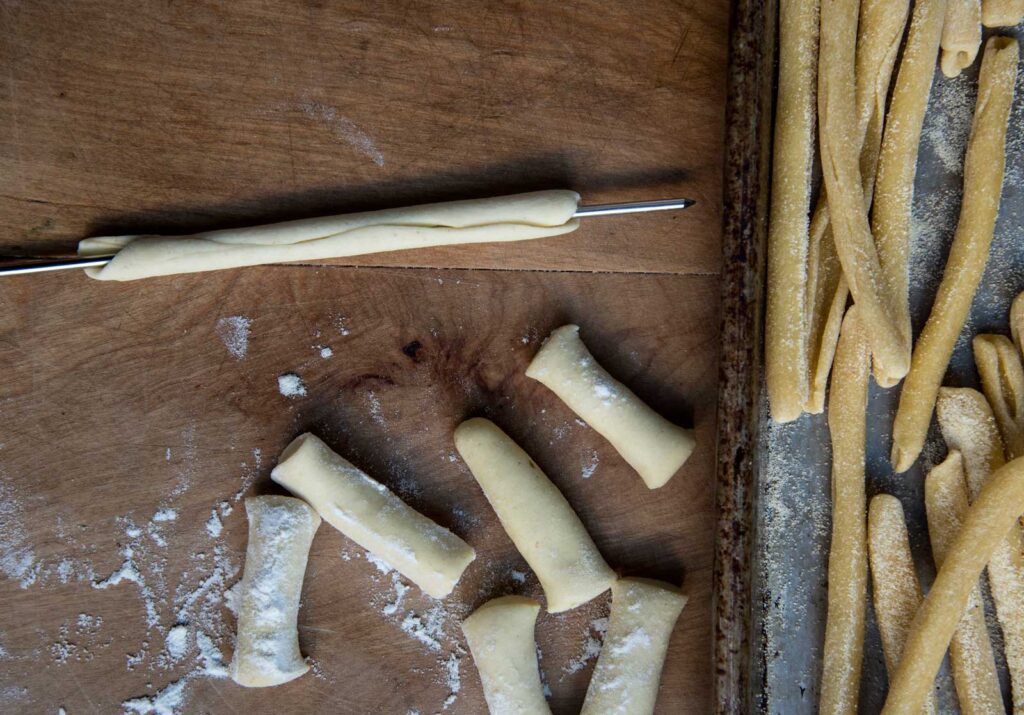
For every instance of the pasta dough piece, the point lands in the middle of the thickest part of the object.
(505, 218)
(839, 136)
(847, 558)
(897, 167)
(500, 637)
(970, 652)
(281, 530)
(1001, 13)
(652, 445)
(983, 181)
(1017, 321)
(628, 671)
(538, 519)
(793, 158)
(371, 515)
(1002, 379)
(961, 36)
(992, 515)
(879, 34)
(896, 588)
(968, 426)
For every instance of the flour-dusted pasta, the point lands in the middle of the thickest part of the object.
(983, 183)
(536, 516)
(970, 652)
(847, 555)
(961, 36)
(989, 519)
(897, 592)
(628, 670)
(267, 650)
(501, 640)
(1002, 379)
(968, 426)
(652, 445)
(370, 514)
(785, 345)
(1001, 13)
(504, 218)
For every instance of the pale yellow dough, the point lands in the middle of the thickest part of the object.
(536, 516)
(879, 34)
(847, 556)
(501, 640)
(968, 426)
(281, 530)
(652, 445)
(628, 671)
(504, 218)
(370, 514)
(989, 519)
(983, 181)
(1002, 379)
(897, 168)
(792, 162)
(970, 652)
(897, 592)
(1001, 13)
(961, 36)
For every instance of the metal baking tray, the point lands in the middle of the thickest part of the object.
(773, 498)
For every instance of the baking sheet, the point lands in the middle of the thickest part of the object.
(791, 519)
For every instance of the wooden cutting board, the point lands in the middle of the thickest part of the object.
(135, 418)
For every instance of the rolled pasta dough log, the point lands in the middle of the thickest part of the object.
(280, 532)
(370, 514)
(628, 670)
(538, 519)
(989, 519)
(961, 36)
(500, 637)
(505, 218)
(652, 445)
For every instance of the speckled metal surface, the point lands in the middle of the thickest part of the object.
(748, 122)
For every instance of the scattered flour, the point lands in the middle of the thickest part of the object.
(165, 514)
(234, 333)
(177, 642)
(375, 409)
(165, 702)
(291, 385)
(591, 646)
(343, 128)
(17, 558)
(213, 524)
(326, 352)
(590, 467)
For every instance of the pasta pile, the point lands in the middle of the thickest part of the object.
(837, 62)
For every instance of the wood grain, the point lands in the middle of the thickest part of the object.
(119, 399)
(175, 117)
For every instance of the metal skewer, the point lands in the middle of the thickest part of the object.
(630, 207)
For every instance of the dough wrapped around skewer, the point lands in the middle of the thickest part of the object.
(504, 218)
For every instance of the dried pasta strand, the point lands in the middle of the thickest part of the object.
(961, 36)
(969, 427)
(983, 181)
(970, 652)
(897, 592)
(880, 31)
(839, 139)
(992, 515)
(847, 558)
(1001, 13)
(792, 161)
(1002, 380)
(897, 167)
